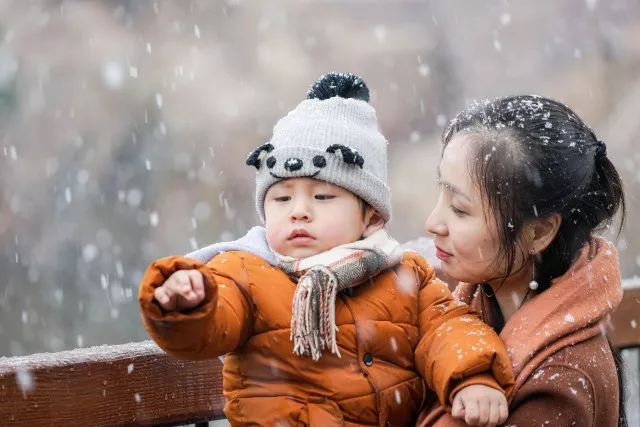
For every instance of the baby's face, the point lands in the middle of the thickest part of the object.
(305, 216)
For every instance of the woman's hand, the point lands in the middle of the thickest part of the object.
(480, 405)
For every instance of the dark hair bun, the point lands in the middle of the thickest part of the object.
(339, 84)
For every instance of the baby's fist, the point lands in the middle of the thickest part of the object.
(480, 405)
(183, 290)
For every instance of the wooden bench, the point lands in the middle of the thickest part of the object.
(137, 384)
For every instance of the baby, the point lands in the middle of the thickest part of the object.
(349, 328)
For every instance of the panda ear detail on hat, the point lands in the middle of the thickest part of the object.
(349, 155)
(255, 157)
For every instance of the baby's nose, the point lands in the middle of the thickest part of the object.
(293, 164)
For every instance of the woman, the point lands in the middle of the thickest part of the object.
(525, 185)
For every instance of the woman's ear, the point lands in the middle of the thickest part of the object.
(373, 222)
(541, 232)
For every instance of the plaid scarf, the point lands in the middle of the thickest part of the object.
(320, 278)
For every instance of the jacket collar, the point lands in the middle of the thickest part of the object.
(581, 298)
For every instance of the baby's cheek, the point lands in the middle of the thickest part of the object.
(337, 236)
(275, 239)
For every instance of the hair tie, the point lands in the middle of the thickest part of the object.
(601, 150)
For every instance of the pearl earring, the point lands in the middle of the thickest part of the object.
(533, 285)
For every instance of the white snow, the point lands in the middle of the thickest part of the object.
(112, 74)
(89, 252)
(154, 219)
(25, 382)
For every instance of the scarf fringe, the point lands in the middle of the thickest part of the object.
(313, 324)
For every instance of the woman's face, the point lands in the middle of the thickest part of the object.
(464, 231)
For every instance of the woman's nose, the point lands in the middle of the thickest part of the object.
(435, 225)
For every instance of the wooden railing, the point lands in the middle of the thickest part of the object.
(625, 321)
(138, 384)
(131, 384)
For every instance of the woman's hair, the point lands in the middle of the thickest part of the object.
(533, 157)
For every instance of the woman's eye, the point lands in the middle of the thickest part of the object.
(282, 199)
(324, 197)
(457, 211)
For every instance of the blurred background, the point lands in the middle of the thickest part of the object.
(124, 125)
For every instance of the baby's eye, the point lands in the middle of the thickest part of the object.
(282, 199)
(324, 197)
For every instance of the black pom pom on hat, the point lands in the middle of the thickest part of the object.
(339, 84)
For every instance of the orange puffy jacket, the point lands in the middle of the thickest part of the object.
(394, 331)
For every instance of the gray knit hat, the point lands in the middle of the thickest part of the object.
(332, 136)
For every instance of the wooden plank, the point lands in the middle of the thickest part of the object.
(124, 385)
(625, 330)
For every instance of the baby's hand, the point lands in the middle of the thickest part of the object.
(480, 405)
(183, 290)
